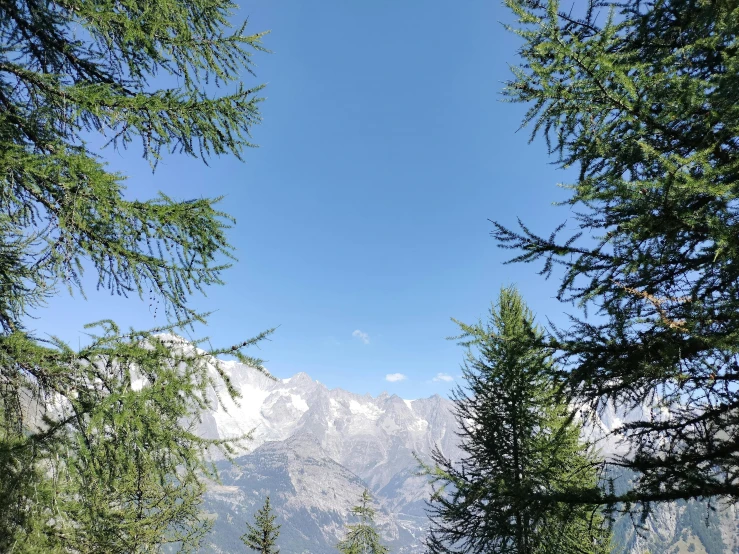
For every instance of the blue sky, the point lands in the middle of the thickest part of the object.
(362, 219)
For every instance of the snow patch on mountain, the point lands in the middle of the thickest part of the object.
(367, 410)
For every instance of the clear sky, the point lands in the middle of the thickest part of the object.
(362, 219)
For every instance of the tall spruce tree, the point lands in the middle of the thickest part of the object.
(644, 98)
(262, 536)
(362, 537)
(518, 441)
(94, 452)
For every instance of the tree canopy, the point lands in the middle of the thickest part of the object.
(97, 445)
(362, 537)
(518, 442)
(262, 536)
(643, 98)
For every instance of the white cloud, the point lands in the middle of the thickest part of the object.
(393, 377)
(443, 377)
(361, 335)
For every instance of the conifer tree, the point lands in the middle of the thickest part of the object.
(262, 536)
(518, 441)
(362, 537)
(643, 97)
(97, 449)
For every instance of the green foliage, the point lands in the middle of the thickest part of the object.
(97, 446)
(60, 205)
(644, 99)
(520, 444)
(362, 537)
(112, 467)
(262, 536)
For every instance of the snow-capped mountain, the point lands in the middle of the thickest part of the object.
(374, 438)
(359, 431)
(314, 450)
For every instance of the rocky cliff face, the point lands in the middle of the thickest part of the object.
(309, 491)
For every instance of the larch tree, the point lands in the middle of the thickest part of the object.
(643, 98)
(95, 451)
(262, 536)
(362, 537)
(518, 441)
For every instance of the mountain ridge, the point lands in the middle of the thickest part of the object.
(352, 441)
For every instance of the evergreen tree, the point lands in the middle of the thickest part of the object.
(518, 441)
(644, 98)
(94, 452)
(262, 536)
(362, 537)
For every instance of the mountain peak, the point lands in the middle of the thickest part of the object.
(299, 378)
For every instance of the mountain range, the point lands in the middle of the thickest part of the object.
(314, 450)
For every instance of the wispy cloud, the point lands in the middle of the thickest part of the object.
(443, 377)
(361, 335)
(393, 377)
